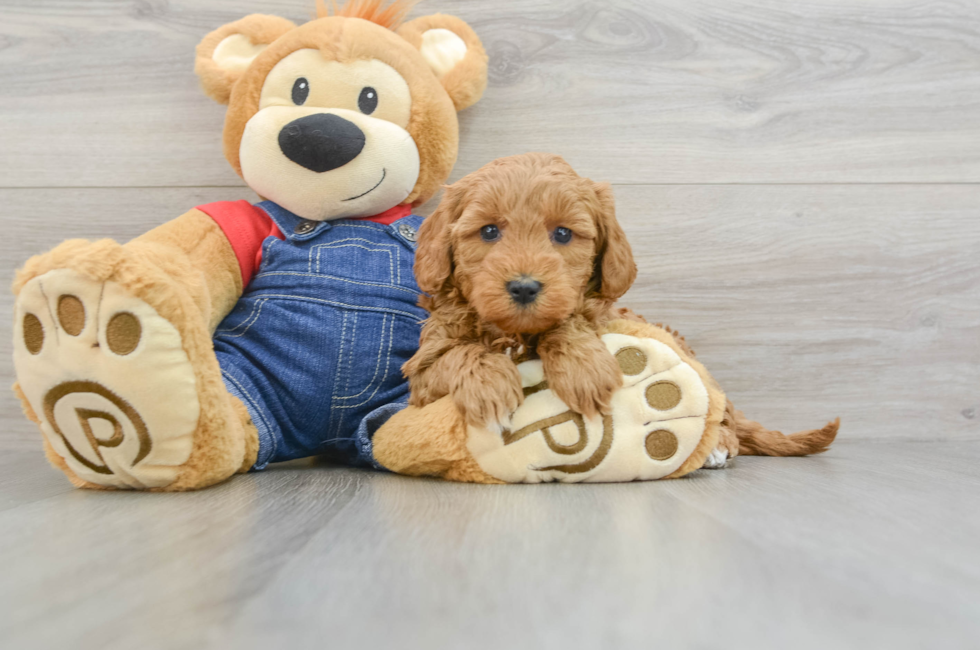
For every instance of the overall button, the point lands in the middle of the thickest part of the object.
(407, 232)
(304, 227)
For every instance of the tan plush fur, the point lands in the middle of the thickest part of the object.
(260, 30)
(473, 319)
(466, 82)
(428, 441)
(198, 237)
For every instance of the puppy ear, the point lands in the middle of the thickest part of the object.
(226, 53)
(453, 52)
(434, 255)
(615, 269)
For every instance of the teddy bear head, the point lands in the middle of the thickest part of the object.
(348, 115)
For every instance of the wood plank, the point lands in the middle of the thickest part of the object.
(671, 92)
(806, 302)
(860, 547)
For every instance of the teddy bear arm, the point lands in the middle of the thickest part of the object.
(205, 247)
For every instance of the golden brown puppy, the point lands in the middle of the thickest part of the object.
(525, 257)
(521, 257)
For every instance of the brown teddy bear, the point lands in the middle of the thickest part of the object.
(238, 335)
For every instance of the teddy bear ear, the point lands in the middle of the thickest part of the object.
(454, 52)
(226, 53)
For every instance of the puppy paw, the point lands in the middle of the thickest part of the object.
(488, 394)
(717, 459)
(587, 387)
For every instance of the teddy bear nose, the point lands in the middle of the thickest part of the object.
(321, 142)
(524, 291)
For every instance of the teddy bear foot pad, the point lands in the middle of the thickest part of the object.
(103, 372)
(658, 419)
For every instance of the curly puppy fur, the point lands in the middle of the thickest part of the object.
(475, 318)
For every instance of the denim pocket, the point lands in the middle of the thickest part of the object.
(359, 259)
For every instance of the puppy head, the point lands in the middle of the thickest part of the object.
(527, 242)
(347, 115)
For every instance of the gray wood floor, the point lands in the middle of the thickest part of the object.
(873, 545)
(801, 184)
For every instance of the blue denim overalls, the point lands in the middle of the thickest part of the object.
(315, 346)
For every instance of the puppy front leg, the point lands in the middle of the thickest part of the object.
(579, 368)
(485, 386)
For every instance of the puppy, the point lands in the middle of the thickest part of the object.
(522, 257)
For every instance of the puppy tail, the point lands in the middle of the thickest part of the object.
(756, 440)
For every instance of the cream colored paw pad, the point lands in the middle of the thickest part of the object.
(658, 418)
(108, 377)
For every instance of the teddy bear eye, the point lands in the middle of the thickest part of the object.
(562, 235)
(301, 90)
(368, 101)
(489, 233)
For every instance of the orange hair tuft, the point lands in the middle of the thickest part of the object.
(375, 11)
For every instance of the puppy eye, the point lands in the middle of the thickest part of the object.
(489, 233)
(368, 101)
(562, 235)
(301, 90)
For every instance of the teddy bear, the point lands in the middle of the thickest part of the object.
(237, 335)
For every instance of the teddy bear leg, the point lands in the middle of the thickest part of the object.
(114, 362)
(428, 441)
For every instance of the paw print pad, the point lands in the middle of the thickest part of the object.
(103, 372)
(658, 417)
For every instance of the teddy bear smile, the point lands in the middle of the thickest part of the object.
(384, 172)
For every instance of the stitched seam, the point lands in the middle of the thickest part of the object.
(336, 419)
(339, 279)
(674, 419)
(335, 243)
(387, 364)
(251, 320)
(377, 365)
(255, 407)
(353, 338)
(379, 228)
(340, 354)
(382, 310)
(381, 248)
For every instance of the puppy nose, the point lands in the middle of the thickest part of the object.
(321, 142)
(524, 291)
